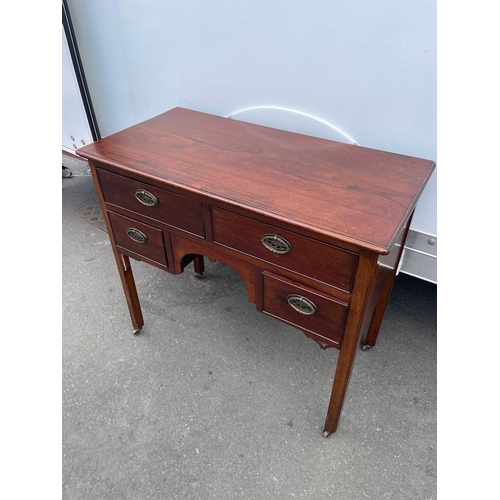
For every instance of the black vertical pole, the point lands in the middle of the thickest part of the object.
(80, 74)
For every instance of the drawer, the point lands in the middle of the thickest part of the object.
(308, 257)
(158, 204)
(303, 307)
(138, 239)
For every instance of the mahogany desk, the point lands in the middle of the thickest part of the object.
(315, 228)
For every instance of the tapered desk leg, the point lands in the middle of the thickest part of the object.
(130, 290)
(122, 262)
(378, 312)
(378, 315)
(350, 344)
(199, 265)
(345, 364)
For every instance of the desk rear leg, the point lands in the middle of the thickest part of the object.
(199, 265)
(378, 315)
(379, 310)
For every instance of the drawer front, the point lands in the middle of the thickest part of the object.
(303, 307)
(158, 204)
(314, 259)
(140, 239)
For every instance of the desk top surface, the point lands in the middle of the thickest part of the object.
(355, 194)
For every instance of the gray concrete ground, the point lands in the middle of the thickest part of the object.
(213, 400)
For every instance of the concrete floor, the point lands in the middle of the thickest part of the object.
(213, 400)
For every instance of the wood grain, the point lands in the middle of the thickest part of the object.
(357, 194)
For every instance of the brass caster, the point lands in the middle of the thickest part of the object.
(136, 331)
(326, 433)
(365, 347)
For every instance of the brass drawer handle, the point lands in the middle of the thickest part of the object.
(302, 304)
(276, 244)
(136, 235)
(146, 198)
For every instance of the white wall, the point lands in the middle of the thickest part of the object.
(365, 66)
(75, 128)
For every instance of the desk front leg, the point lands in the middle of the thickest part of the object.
(128, 282)
(122, 262)
(343, 372)
(350, 342)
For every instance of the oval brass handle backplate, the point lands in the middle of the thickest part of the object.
(302, 304)
(276, 244)
(146, 198)
(136, 235)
